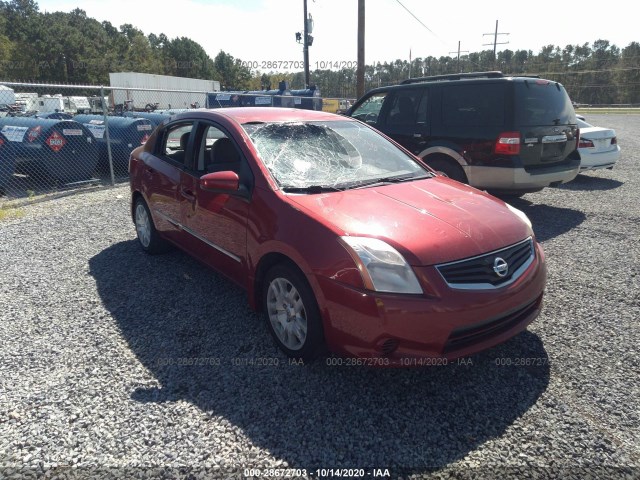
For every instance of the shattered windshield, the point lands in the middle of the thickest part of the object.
(335, 154)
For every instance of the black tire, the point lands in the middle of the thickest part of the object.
(148, 237)
(284, 283)
(508, 196)
(450, 168)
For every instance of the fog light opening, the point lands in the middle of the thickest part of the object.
(388, 347)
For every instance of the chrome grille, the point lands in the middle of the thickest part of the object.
(483, 272)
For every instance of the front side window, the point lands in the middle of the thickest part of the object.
(404, 107)
(369, 110)
(205, 151)
(335, 154)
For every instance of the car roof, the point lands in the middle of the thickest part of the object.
(264, 114)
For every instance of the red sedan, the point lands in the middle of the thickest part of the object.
(340, 236)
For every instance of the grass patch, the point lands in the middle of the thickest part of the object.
(9, 213)
(607, 111)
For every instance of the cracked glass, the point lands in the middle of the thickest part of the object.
(337, 154)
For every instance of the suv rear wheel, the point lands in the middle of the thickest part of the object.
(448, 167)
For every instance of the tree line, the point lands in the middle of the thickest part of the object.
(72, 48)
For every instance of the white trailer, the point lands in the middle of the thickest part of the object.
(7, 96)
(139, 91)
(77, 105)
(50, 103)
(28, 102)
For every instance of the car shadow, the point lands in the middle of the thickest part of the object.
(174, 312)
(589, 182)
(548, 221)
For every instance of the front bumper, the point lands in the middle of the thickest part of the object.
(446, 323)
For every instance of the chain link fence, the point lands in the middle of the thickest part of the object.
(63, 137)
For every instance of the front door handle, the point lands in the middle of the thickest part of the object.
(188, 194)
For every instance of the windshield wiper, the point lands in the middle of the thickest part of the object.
(389, 180)
(311, 189)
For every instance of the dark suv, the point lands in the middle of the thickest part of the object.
(495, 132)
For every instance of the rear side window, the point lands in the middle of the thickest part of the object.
(541, 102)
(473, 105)
(175, 140)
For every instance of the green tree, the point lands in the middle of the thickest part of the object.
(628, 74)
(231, 73)
(21, 24)
(6, 50)
(188, 59)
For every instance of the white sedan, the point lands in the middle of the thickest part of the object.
(598, 147)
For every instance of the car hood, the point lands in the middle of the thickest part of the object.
(429, 221)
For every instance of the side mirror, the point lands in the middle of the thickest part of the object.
(226, 180)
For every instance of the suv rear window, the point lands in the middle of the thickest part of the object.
(473, 105)
(541, 102)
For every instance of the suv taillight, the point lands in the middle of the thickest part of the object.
(508, 143)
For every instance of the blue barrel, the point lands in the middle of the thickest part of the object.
(260, 98)
(7, 163)
(257, 98)
(54, 116)
(60, 149)
(308, 98)
(154, 117)
(125, 134)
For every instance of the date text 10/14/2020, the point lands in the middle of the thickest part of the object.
(298, 64)
(318, 473)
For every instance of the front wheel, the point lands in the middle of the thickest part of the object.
(292, 313)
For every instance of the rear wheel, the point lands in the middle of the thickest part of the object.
(148, 236)
(448, 167)
(292, 312)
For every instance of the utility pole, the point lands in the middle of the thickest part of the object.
(306, 46)
(360, 69)
(307, 41)
(495, 40)
(459, 52)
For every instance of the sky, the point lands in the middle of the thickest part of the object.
(262, 31)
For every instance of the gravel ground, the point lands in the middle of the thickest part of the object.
(98, 345)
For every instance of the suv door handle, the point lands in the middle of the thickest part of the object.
(417, 135)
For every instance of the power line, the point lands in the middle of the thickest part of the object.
(419, 21)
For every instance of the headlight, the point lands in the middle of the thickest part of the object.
(521, 214)
(382, 267)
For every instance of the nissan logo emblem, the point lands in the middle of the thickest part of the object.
(501, 267)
